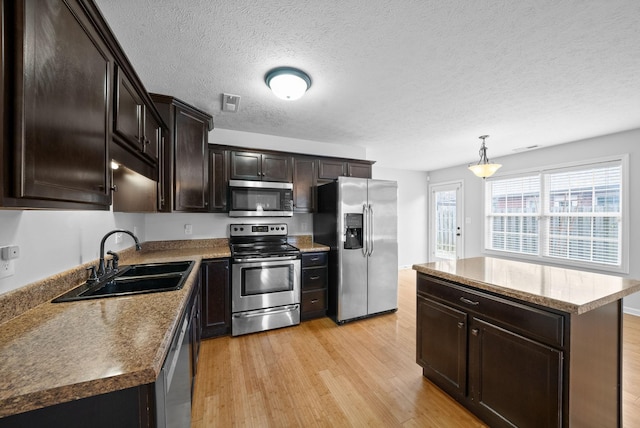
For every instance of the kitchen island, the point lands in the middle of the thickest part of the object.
(523, 344)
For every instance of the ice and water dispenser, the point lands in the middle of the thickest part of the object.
(352, 231)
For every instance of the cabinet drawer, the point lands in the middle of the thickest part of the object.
(313, 301)
(314, 259)
(536, 323)
(314, 278)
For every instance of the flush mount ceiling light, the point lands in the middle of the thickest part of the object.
(484, 168)
(288, 83)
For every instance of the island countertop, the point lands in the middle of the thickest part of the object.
(568, 290)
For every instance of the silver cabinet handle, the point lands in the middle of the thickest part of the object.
(469, 302)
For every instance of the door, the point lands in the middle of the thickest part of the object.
(445, 222)
(191, 162)
(62, 111)
(504, 390)
(382, 230)
(441, 339)
(352, 280)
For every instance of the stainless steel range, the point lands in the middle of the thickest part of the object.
(265, 278)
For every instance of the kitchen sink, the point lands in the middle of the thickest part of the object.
(133, 279)
(155, 269)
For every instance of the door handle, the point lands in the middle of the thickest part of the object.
(365, 216)
(371, 230)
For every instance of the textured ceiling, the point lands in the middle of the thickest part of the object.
(415, 82)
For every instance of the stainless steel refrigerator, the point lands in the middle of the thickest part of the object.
(358, 219)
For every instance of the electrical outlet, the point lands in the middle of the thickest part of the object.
(6, 268)
(188, 229)
(118, 237)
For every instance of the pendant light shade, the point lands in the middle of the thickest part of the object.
(484, 168)
(288, 83)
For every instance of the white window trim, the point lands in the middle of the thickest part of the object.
(596, 267)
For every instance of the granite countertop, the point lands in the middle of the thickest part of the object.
(567, 290)
(306, 245)
(52, 353)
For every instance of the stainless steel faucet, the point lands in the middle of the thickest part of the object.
(101, 267)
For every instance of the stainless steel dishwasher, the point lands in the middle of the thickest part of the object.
(173, 387)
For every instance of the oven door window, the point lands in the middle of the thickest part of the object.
(269, 279)
(255, 199)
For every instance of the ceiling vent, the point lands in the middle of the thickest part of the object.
(230, 103)
(526, 149)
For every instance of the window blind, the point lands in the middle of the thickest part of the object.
(572, 214)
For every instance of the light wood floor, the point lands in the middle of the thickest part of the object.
(361, 374)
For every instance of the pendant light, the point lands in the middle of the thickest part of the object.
(288, 83)
(484, 168)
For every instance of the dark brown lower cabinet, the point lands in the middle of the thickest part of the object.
(517, 364)
(216, 298)
(314, 285)
(132, 407)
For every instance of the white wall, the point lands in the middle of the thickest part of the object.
(412, 213)
(593, 148)
(54, 241)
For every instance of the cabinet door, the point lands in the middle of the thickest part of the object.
(246, 166)
(218, 180)
(360, 170)
(63, 84)
(191, 162)
(304, 181)
(329, 169)
(442, 345)
(129, 111)
(276, 168)
(514, 379)
(152, 136)
(216, 298)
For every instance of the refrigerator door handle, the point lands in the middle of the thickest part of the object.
(365, 248)
(371, 230)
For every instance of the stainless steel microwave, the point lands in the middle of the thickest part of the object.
(260, 199)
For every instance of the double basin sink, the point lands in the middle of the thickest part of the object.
(133, 279)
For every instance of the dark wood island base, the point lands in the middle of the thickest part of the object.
(519, 359)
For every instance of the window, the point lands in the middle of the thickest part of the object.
(572, 215)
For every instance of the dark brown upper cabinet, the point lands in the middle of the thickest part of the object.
(218, 179)
(185, 156)
(65, 79)
(331, 169)
(260, 166)
(152, 135)
(304, 182)
(359, 169)
(134, 121)
(57, 84)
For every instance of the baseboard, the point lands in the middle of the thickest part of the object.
(631, 311)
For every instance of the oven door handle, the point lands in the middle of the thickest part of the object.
(270, 311)
(263, 259)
